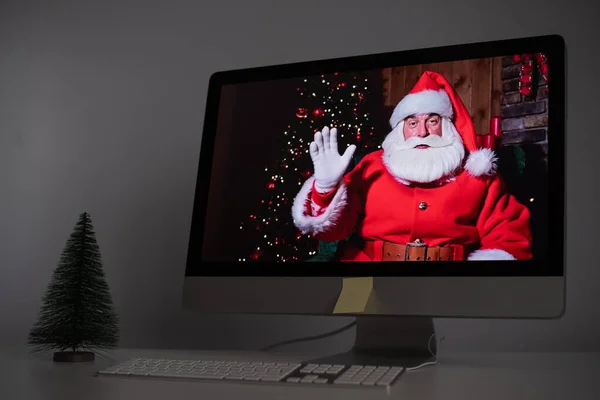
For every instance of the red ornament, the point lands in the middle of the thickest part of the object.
(525, 78)
(526, 90)
(302, 113)
(317, 112)
(256, 254)
(342, 84)
(517, 58)
(540, 58)
(527, 67)
(542, 65)
(526, 81)
(271, 185)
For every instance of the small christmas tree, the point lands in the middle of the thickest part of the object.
(77, 313)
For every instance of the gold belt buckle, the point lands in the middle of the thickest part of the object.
(416, 243)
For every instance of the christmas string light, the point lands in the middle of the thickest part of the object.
(326, 100)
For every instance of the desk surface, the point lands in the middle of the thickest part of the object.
(490, 376)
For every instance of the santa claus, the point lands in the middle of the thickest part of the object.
(430, 194)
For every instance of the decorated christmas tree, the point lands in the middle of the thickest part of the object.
(341, 100)
(77, 317)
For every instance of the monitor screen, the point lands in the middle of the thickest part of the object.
(431, 162)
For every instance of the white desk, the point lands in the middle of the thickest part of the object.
(507, 376)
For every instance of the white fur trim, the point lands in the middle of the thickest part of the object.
(481, 162)
(424, 102)
(323, 222)
(490, 255)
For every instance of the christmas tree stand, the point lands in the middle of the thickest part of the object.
(73, 356)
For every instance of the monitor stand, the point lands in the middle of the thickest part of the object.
(388, 341)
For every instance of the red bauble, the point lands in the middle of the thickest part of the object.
(517, 58)
(540, 58)
(302, 113)
(526, 67)
(544, 68)
(271, 185)
(525, 90)
(317, 112)
(525, 78)
(254, 256)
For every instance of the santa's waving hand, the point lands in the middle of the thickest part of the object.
(329, 165)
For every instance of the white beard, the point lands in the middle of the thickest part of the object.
(409, 164)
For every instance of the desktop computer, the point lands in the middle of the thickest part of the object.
(394, 188)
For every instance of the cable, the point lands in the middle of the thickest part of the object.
(431, 361)
(309, 338)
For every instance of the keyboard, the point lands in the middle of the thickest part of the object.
(257, 372)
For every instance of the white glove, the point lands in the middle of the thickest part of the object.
(329, 165)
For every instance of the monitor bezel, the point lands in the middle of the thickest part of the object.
(553, 266)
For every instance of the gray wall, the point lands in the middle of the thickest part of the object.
(101, 106)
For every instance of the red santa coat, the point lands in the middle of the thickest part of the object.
(465, 210)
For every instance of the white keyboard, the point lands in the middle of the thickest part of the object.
(248, 371)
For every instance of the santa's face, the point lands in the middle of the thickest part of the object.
(422, 126)
(423, 149)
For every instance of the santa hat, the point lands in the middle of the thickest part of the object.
(434, 94)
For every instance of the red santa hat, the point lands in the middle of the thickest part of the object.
(434, 94)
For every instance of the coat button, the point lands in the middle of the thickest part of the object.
(422, 205)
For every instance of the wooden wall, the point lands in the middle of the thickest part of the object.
(478, 82)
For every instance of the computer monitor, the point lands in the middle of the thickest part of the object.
(413, 184)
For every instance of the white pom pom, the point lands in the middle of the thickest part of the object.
(481, 162)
